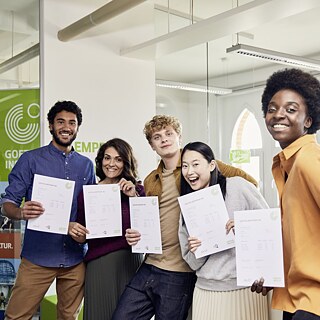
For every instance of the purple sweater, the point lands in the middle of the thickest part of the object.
(101, 246)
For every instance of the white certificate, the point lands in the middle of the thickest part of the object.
(102, 205)
(206, 215)
(259, 247)
(56, 197)
(145, 218)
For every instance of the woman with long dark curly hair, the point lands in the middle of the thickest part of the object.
(110, 262)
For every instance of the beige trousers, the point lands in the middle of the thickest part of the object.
(32, 283)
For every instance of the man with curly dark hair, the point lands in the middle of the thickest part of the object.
(291, 107)
(46, 256)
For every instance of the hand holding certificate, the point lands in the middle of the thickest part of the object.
(206, 215)
(56, 197)
(144, 216)
(259, 247)
(103, 210)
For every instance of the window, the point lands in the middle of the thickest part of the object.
(242, 136)
(247, 136)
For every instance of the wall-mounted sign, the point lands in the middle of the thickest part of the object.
(239, 156)
(19, 126)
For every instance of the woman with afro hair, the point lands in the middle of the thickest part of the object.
(291, 107)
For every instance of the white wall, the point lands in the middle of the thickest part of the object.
(116, 94)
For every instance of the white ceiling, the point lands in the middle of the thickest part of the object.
(21, 17)
(297, 34)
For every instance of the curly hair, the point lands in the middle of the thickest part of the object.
(159, 122)
(216, 176)
(303, 83)
(129, 171)
(68, 106)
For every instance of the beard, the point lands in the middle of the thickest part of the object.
(62, 143)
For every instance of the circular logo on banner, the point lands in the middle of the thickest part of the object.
(12, 124)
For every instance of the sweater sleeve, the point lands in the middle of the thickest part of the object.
(80, 214)
(140, 190)
(188, 256)
(230, 171)
(242, 195)
(254, 198)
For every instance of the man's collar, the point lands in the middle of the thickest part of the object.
(55, 149)
(161, 165)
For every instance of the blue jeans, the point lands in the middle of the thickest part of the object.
(153, 291)
(300, 315)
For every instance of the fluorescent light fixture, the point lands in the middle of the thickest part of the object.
(275, 56)
(20, 58)
(191, 87)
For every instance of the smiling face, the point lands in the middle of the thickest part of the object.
(196, 169)
(64, 130)
(287, 117)
(112, 165)
(166, 142)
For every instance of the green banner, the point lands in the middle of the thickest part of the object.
(19, 126)
(239, 156)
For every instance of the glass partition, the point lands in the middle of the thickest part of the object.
(231, 84)
(19, 117)
(19, 44)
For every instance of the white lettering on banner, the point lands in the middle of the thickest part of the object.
(12, 157)
(92, 146)
(9, 164)
(6, 245)
(13, 154)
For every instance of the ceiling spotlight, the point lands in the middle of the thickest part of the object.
(192, 87)
(275, 56)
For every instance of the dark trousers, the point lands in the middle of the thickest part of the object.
(154, 291)
(300, 315)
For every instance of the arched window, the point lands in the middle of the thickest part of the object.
(247, 144)
(246, 133)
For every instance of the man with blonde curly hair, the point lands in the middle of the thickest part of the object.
(163, 286)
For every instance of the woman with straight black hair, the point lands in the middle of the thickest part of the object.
(216, 295)
(215, 175)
